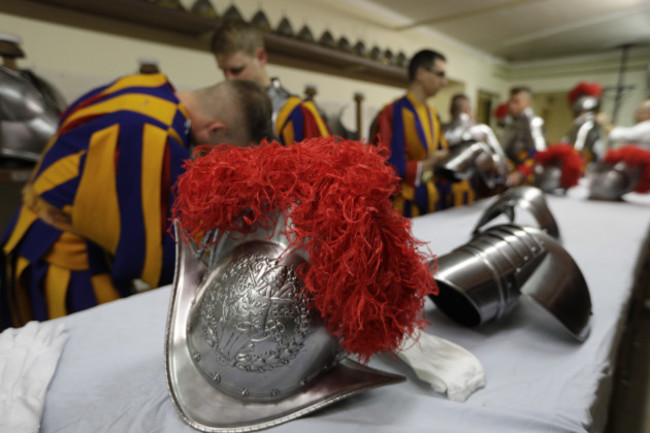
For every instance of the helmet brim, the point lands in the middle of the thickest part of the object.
(207, 409)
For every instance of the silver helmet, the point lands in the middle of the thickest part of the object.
(483, 279)
(527, 198)
(278, 278)
(611, 181)
(548, 178)
(585, 103)
(243, 350)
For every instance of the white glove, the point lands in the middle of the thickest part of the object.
(28, 359)
(445, 365)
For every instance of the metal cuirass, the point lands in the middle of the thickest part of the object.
(585, 135)
(474, 149)
(279, 97)
(458, 130)
(524, 133)
(27, 118)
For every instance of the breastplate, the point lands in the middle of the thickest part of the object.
(27, 121)
(279, 97)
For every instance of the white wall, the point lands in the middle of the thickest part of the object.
(78, 57)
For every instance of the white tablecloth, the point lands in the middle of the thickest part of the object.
(110, 377)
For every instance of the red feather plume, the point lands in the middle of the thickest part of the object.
(583, 88)
(366, 276)
(569, 160)
(501, 111)
(634, 157)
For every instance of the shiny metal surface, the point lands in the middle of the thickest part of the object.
(482, 280)
(251, 334)
(525, 197)
(586, 135)
(490, 163)
(585, 103)
(27, 121)
(559, 287)
(464, 161)
(242, 352)
(548, 178)
(523, 134)
(611, 182)
(457, 130)
(278, 95)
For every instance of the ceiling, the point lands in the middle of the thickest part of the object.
(524, 30)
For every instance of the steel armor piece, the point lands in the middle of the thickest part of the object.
(483, 279)
(611, 181)
(243, 350)
(524, 197)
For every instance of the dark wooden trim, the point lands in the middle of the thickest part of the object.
(283, 50)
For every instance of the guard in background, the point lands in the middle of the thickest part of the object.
(585, 134)
(95, 212)
(523, 136)
(462, 131)
(240, 53)
(410, 130)
(462, 119)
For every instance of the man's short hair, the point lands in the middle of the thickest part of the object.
(233, 36)
(520, 89)
(458, 102)
(425, 59)
(256, 108)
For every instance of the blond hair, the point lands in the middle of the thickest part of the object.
(233, 36)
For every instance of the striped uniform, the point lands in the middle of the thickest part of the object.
(411, 131)
(297, 120)
(95, 210)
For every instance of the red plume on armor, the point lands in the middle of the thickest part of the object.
(585, 89)
(366, 276)
(567, 158)
(635, 157)
(501, 111)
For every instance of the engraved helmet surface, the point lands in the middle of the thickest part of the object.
(243, 350)
(251, 333)
(267, 301)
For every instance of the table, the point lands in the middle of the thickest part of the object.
(110, 377)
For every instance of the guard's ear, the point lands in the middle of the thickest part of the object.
(261, 56)
(216, 130)
(419, 71)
